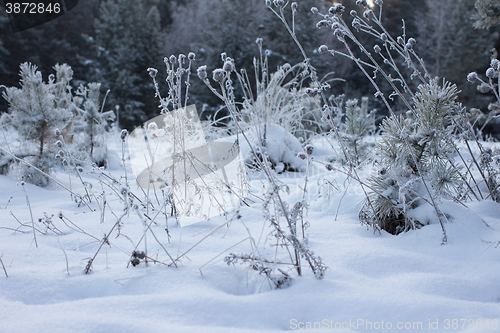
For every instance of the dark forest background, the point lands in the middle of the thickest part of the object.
(115, 41)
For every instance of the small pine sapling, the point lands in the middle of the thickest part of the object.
(34, 112)
(358, 123)
(397, 186)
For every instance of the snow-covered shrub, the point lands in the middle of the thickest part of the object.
(397, 186)
(35, 112)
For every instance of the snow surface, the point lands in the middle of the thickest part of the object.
(372, 277)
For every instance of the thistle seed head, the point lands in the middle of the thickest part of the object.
(219, 75)
(495, 64)
(472, 77)
(202, 72)
(228, 66)
(490, 73)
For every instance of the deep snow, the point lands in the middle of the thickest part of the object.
(371, 278)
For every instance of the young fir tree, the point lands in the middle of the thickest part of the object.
(397, 186)
(92, 123)
(35, 113)
(358, 123)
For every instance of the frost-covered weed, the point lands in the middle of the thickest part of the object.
(276, 210)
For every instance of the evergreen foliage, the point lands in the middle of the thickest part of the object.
(488, 14)
(397, 186)
(35, 112)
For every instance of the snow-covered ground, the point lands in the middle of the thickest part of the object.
(374, 282)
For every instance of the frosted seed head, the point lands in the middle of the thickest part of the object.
(173, 59)
(228, 66)
(329, 167)
(362, 3)
(223, 56)
(409, 46)
(202, 72)
(495, 64)
(377, 49)
(472, 77)
(379, 2)
(323, 23)
(353, 13)
(152, 72)
(412, 41)
(356, 24)
(123, 134)
(279, 3)
(384, 37)
(302, 156)
(401, 40)
(259, 41)
(490, 73)
(340, 34)
(191, 56)
(268, 2)
(182, 58)
(311, 92)
(323, 49)
(314, 10)
(57, 132)
(294, 6)
(368, 14)
(337, 9)
(65, 162)
(309, 149)
(59, 143)
(219, 75)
